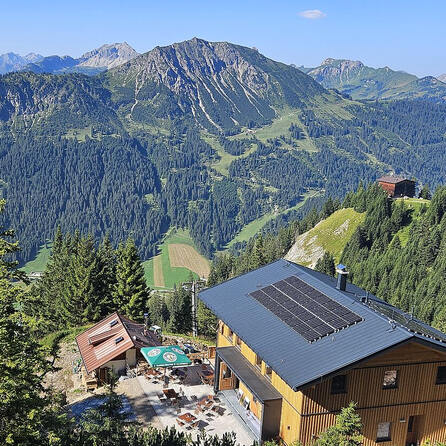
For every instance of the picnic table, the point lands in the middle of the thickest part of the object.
(170, 393)
(207, 376)
(188, 418)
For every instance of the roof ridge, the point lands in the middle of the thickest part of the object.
(125, 328)
(245, 273)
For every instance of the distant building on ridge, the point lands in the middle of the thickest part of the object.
(397, 186)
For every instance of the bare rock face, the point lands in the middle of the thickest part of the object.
(336, 70)
(217, 82)
(108, 56)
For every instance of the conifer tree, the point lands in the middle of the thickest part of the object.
(26, 414)
(130, 291)
(106, 274)
(346, 431)
(180, 311)
(81, 294)
(258, 256)
(326, 264)
(425, 193)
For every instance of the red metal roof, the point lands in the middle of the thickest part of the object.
(392, 179)
(98, 345)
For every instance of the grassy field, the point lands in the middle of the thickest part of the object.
(161, 271)
(331, 234)
(255, 226)
(280, 126)
(222, 165)
(39, 263)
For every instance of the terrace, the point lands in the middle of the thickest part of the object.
(188, 402)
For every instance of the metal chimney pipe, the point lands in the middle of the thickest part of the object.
(342, 277)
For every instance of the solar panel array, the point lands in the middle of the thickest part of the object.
(306, 310)
(406, 320)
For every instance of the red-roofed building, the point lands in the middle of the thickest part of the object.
(111, 345)
(397, 186)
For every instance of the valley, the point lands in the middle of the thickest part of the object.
(157, 150)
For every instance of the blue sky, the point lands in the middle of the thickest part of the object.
(408, 35)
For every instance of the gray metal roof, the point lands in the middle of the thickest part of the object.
(248, 374)
(294, 359)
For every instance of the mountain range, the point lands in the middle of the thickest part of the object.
(208, 136)
(14, 62)
(362, 82)
(93, 62)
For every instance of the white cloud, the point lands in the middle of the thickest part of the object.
(312, 14)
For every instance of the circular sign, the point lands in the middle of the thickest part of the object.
(153, 352)
(177, 350)
(170, 357)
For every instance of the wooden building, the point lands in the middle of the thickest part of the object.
(397, 186)
(112, 345)
(294, 346)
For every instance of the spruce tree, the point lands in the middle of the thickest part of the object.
(27, 415)
(81, 298)
(258, 255)
(346, 431)
(130, 291)
(106, 275)
(326, 264)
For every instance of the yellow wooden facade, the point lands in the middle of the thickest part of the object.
(417, 401)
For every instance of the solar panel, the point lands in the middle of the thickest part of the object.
(305, 309)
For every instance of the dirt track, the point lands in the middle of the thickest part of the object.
(158, 276)
(182, 255)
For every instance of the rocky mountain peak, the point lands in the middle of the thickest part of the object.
(33, 57)
(207, 77)
(108, 56)
(342, 63)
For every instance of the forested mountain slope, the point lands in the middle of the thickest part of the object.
(397, 252)
(199, 135)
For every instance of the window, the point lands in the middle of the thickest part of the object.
(383, 432)
(113, 323)
(258, 361)
(339, 384)
(230, 333)
(222, 328)
(118, 340)
(269, 371)
(390, 379)
(227, 373)
(238, 341)
(441, 375)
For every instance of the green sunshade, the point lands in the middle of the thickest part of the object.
(166, 356)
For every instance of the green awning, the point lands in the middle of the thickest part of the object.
(166, 356)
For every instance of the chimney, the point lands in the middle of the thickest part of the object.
(342, 277)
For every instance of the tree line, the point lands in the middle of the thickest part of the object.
(86, 280)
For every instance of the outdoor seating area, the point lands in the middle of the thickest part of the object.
(183, 397)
